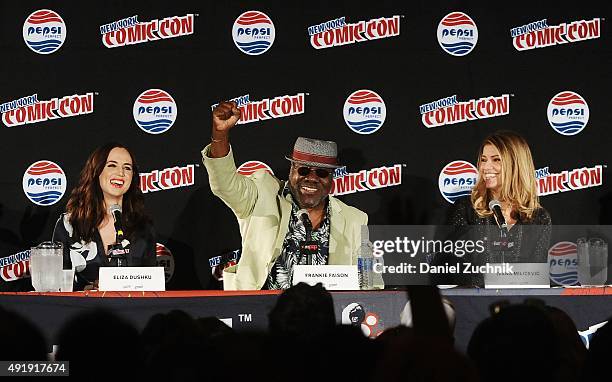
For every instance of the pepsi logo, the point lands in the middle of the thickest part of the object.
(165, 259)
(155, 111)
(248, 168)
(44, 31)
(44, 183)
(457, 179)
(563, 261)
(253, 33)
(457, 34)
(364, 111)
(568, 113)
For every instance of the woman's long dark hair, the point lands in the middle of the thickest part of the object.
(86, 203)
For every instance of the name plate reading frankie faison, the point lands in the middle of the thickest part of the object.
(333, 277)
(132, 279)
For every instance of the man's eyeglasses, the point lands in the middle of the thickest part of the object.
(304, 171)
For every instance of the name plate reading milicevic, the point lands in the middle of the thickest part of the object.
(132, 279)
(333, 277)
(518, 275)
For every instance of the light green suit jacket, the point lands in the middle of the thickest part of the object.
(263, 216)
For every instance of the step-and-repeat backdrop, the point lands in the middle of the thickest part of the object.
(407, 89)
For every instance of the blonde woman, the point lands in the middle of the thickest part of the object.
(507, 175)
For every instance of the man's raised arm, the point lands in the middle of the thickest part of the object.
(224, 117)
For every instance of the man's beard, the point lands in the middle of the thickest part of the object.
(308, 200)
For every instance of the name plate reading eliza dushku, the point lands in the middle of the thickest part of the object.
(333, 277)
(132, 279)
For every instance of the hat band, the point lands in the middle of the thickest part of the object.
(309, 157)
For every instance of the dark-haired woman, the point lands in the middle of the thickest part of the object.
(110, 177)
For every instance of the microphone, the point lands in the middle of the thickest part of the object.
(495, 206)
(503, 244)
(115, 210)
(305, 219)
(118, 251)
(307, 247)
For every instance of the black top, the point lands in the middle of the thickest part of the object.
(526, 241)
(87, 258)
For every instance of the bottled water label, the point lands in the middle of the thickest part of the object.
(365, 270)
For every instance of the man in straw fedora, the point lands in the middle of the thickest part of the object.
(269, 210)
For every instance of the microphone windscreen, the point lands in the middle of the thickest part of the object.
(494, 203)
(301, 213)
(115, 210)
(114, 207)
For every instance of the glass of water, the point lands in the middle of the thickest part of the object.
(582, 249)
(598, 261)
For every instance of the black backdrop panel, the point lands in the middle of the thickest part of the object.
(200, 68)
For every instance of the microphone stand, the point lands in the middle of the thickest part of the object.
(117, 253)
(307, 247)
(503, 235)
(503, 229)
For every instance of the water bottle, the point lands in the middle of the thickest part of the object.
(365, 262)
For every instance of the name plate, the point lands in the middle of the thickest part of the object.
(333, 277)
(519, 275)
(132, 279)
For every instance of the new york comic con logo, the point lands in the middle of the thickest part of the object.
(365, 180)
(568, 113)
(457, 179)
(15, 266)
(569, 180)
(155, 111)
(253, 33)
(268, 108)
(337, 32)
(457, 34)
(364, 111)
(27, 110)
(563, 262)
(167, 178)
(130, 31)
(44, 183)
(538, 34)
(44, 31)
(448, 111)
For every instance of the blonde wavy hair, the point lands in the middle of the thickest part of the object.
(518, 182)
